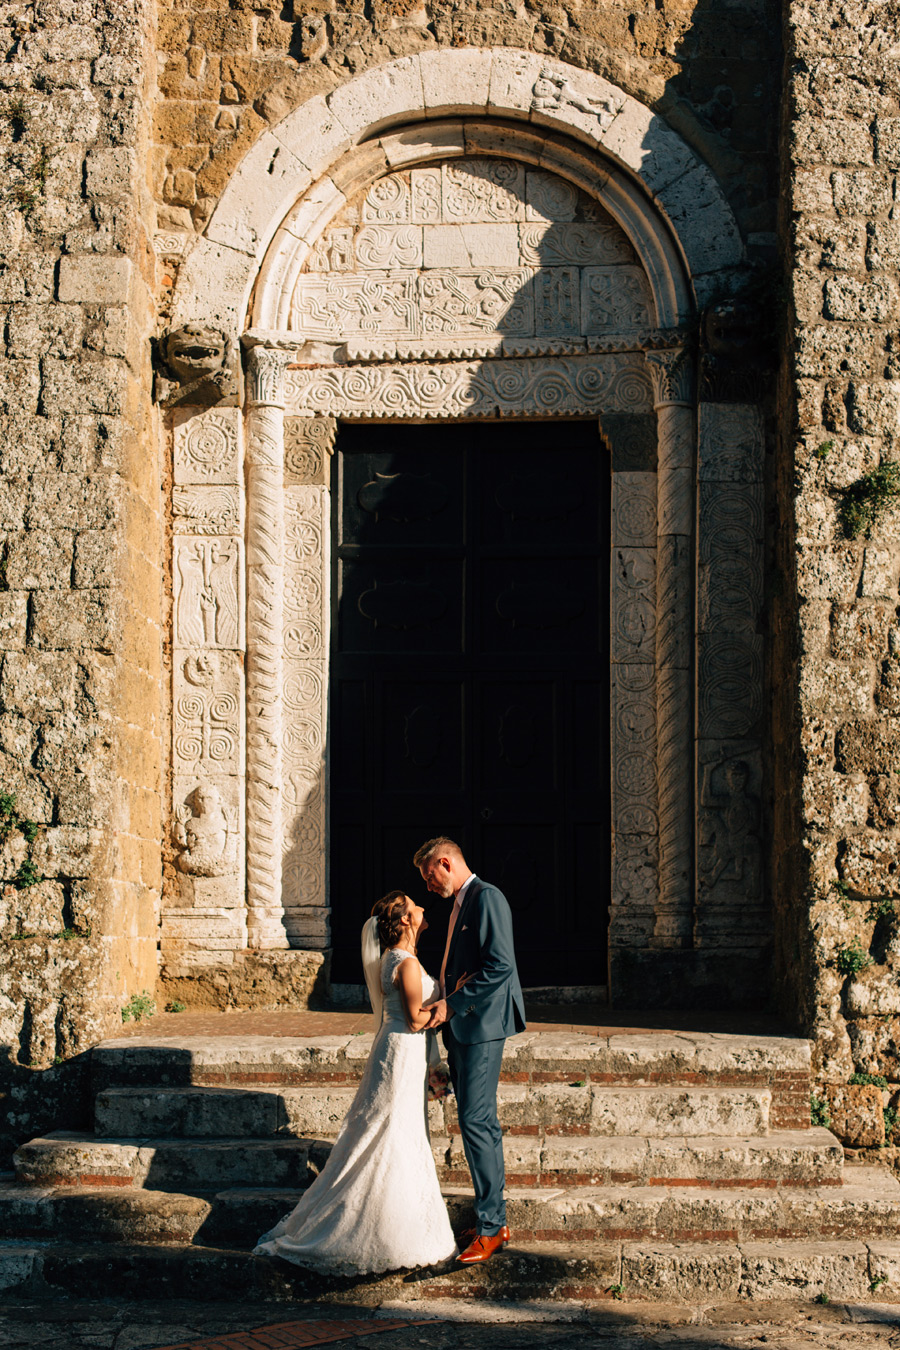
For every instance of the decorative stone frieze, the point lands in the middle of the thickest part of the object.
(308, 447)
(565, 386)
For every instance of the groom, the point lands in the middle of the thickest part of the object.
(476, 1021)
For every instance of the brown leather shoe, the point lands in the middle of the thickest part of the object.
(482, 1248)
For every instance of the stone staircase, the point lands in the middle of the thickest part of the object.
(676, 1167)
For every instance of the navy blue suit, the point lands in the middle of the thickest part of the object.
(487, 1009)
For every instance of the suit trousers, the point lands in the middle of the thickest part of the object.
(475, 1074)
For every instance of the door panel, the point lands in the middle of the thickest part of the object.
(470, 679)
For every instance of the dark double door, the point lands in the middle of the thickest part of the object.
(470, 680)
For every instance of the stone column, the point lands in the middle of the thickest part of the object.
(671, 372)
(265, 624)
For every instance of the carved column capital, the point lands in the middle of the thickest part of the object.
(672, 373)
(265, 376)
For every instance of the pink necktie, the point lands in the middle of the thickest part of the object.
(450, 926)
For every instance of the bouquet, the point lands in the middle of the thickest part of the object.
(439, 1085)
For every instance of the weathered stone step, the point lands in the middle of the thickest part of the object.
(557, 1271)
(779, 1063)
(867, 1207)
(565, 1108)
(71, 1159)
(787, 1158)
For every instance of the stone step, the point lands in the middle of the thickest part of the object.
(786, 1158)
(702, 1059)
(575, 1107)
(680, 1272)
(868, 1206)
(71, 1159)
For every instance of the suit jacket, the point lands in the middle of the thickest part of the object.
(489, 1006)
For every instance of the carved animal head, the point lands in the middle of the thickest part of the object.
(195, 351)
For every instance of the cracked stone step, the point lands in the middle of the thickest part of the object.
(785, 1158)
(576, 1107)
(867, 1207)
(677, 1272)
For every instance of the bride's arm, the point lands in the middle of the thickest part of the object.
(409, 982)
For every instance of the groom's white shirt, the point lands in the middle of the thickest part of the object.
(454, 915)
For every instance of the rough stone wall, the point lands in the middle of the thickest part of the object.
(80, 730)
(837, 636)
(228, 69)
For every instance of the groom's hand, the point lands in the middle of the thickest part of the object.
(440, 1013)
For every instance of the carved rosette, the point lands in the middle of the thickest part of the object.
(672, 375)
(265, 623)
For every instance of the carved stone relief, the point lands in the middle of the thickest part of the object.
(308, 447)
(206, 446)
(553, 91)
(730, 904)
(208, 578)
(475, 247)
(552, 387)
(304, 698)
(205, 917)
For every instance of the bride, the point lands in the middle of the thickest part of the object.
(377, 1205)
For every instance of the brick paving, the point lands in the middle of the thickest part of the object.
(293, 1335)
(591, 1019)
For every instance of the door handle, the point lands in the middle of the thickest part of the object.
(486, 812)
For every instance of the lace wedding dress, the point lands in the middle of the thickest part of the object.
(377, 1204)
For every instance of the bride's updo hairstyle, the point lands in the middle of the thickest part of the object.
(387, 912)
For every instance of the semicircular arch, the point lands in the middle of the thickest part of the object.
(667, 200)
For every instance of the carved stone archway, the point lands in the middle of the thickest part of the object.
(551, 120)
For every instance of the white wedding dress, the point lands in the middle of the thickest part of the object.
(377, 1204)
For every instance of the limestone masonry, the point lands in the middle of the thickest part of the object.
(229, 231)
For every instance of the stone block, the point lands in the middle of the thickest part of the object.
(865, 192)
(110, 172)
(732, 445)
(860, 632)
(97, 558)
(37, 683)
(445, 139)
(869, 746)
(64, 620)
(38, 559)
(857, 1114)
(788, 1270)
(849, 299)
(88, 386)
(682, 1272)
(66, 851)
(660, 1112)
(207, 446)
(873, 409)
(381, 95)
(514, 74)
(874, 993)
(471, 246)
(213, 280)
(456, 80)
(314, 135)
(836, 688)
(253, 203)
(870, 864)
(887, 142)
(829, 573)
(13, 620)
(90, 279)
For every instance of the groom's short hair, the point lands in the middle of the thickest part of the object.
(441, 844)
